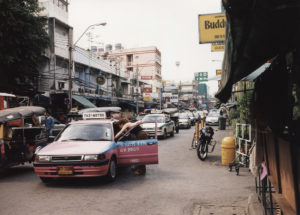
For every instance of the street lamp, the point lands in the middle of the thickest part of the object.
(97, 24)
(71, 48)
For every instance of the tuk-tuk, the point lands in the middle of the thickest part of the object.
(20, 135)
(173, 112)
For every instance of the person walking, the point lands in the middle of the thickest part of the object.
(49, 124)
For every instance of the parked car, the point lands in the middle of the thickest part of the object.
(140, 117)
(212, 118)
(87, 148)
(173, 113)
(165, 126)
(184, 120)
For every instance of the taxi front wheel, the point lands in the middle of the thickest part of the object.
(112, 170)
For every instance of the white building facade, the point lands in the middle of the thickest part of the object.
(143, 62)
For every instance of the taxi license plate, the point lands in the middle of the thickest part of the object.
(68, 170)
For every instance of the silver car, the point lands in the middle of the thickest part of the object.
(212, 118)
(165, 126)
(184, 120)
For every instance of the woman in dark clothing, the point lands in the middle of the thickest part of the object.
(135, 129)
(137, 133)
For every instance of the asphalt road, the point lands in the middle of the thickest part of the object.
(179, 184)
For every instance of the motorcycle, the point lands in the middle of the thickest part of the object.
(205, 142)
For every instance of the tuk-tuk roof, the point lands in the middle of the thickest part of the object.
(12, 114)
(7, 94)
(170, 110)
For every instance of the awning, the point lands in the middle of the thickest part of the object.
(82, 100)
(215, 78)
(257, 73)
(256, 31)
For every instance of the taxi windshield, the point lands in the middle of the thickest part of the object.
(150, 118)
(86, 132)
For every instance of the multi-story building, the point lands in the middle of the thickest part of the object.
(74, 71)
(142, 63)
(188, 90)
(89, 68)
(55, 75)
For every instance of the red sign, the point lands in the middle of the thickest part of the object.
(147, 90)
(149, 77)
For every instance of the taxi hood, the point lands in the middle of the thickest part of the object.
(76, 148)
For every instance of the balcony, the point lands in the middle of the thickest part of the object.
(129, 64)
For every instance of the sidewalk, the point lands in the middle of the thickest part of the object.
(246, 202)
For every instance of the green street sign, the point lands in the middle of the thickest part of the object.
(201, 76)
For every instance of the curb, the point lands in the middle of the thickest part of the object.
(254, 206)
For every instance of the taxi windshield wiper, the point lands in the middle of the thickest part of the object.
(80, 139)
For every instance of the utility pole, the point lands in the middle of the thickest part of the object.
(137, 89)
(70, 68)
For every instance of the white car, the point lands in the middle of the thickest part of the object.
(165, 125)
(184, 120)
(212, 118)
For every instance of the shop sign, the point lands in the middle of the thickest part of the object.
(212, 28)
(217, 47)
(174, 99)
(167, 94)
(147, 90)
(100, 80)
(147, 97)
(147, 77)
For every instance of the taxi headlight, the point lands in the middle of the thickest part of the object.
(94, 157)
(43, 158)
(90, 157)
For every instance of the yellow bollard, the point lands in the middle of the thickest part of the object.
(196, 131)
(228, 150)
(202, 123)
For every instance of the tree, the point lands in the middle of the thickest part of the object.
(23, 41)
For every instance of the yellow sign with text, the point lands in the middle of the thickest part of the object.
(217, 47)
(147, 99)
(212, 28)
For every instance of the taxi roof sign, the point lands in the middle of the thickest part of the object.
(94, 115)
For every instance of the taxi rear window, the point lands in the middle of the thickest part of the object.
(86, 132)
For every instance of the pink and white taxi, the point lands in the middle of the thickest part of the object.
(87, 148)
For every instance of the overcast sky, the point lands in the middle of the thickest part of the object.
(170, 25)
